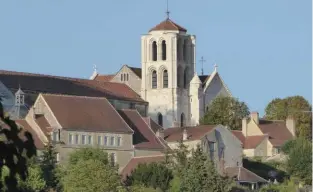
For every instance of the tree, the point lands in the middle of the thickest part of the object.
(226, 111)
(155, 175)
(85, 154)
(90, 176)
(48, 165)
(14, 151)
(295, 106)
(299, 163)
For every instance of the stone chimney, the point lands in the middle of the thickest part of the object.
(244, 127)
(185, 135)
(291, 125)
(255, 117)
(160, 133)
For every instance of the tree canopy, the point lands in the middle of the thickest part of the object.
(227, 111)
(295, 106)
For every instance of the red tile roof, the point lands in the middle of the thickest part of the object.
(249, 142)
(144, 137)
(277, 131)
(86, 113)
(104, 77)
(194, 133)
(239, 135)
(43, 124)
(244, 175)
(38, 83)
(154, 126)
(26, 127)
(135, 161)
(168, 25)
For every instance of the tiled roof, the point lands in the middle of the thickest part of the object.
(104, 77)
(154, 126)
(277, 131)
(168, 25)
(86, 113)
(26, 127)
(38, 83)
(135, 161)
(43, 124)
(136, 70)
(144, 137)
(194, 133)
(249, 142)
(244, 175)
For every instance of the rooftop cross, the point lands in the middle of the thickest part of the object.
(167, 11)
(202, 61)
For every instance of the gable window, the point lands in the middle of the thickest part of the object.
(182, 120)
(165, 79)
(112, 141)
(119, 139)
(160, 119)
(154, 79)
(154, 51)
(89, 139)
(105, 141)
(163, 50)
(99, 140)
(122, 77)
(70, 139)
(127, 76)
(76, 139)
(84, 139)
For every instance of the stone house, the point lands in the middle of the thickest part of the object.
(263, 138)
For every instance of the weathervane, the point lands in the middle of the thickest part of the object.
(202, 61)
(167, 11)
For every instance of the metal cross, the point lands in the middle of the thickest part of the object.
(167, 11)
(202, 61)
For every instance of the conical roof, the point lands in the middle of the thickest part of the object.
(168, 25)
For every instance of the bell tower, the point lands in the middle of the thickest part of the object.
(168, 65)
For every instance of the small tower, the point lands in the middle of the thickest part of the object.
(19, 101)
(196, 100)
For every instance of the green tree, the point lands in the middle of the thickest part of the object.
(227, 111)
(155, 175)
(90, 176)
(295, 106)
(85, 154)
(14, 151)
(48, 165)
(299, 163)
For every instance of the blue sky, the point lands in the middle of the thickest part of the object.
(263, 48)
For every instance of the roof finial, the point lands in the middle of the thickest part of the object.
(215, 67)
(202, 61)
(95, 68)
(167, 11)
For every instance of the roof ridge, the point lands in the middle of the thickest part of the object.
(77, 96)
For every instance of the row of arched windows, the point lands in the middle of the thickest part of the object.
(155, 50)
(182, 119)
(154, 79)
(182, 78)
(124, 77)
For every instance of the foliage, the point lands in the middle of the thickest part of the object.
(155, 175)
(90, 176)
(48, 165)
(287, 186)
(299, 163)
(14, 151)
(85, 154)
(175, 184)
(295, 106)
(137, 188)
(227, 111)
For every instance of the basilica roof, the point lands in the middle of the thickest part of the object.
(168, 25)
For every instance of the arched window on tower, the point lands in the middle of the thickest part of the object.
(160, 119)
(154, 51)
(185, 50)
(165, 79)
(182, 120)
(154, 79)
(186, 78)
(163, 50)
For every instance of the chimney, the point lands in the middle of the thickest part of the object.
(255, 117)
(185, 135)
(160, 133)
(244, 126)
(291, 125)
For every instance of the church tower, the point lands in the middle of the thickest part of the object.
(168, 65)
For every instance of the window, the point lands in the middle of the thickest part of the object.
(76, 139)
(113, 158)
(55, 136)
(122, 77)
(89, 139)
(185, 78)
(165, 79)
(182, 120)
(154, 79)
(160, 119)
(112, 141)
(119, 139)
(70, 139)
(163, 50)
(154, 51)
(99, 140)
(127, 76)
(105, 142)
(84, 139)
